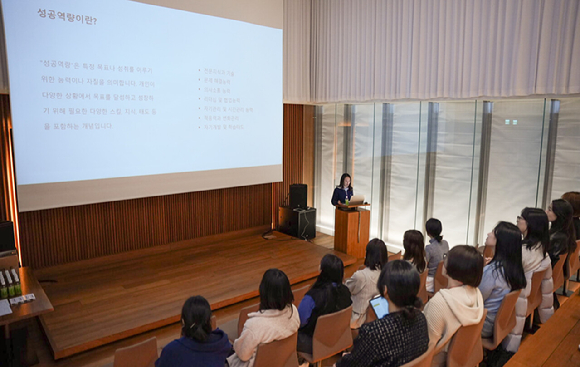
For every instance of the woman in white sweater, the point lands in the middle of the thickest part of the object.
(277, 319)
(534, 225)
(461, 304)
(363, 283)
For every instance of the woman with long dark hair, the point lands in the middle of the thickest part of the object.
(276, 319)
(562, 233)
(504, 273)
(401, 335)
(199, 345)
(573, 197)
(327, 295)
(363, 283)
(342, 192)
(435, 251)
(414, 244)
(534, 225)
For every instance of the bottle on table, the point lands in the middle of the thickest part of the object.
(11, 291)
(3, 288)
(17, 286)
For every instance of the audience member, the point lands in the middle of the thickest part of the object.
(562, 236)
(534, 226)
(198, 345)
(327, 295)
(414, 244)
(276, 319)
(435, 251)
(504, 273)
(573, 197)
(461, 304)
(363, 283)
(400, 336)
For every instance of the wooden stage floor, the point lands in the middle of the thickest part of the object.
(107, 299)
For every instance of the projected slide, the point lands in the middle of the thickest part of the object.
(109, 89)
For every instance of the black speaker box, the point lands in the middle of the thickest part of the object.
(298, 196)
(7, 236)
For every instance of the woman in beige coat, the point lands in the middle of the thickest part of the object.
(277, 319)
(363, 283)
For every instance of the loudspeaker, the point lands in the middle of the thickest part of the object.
(298, 196)
(297, 222)
(7, 236)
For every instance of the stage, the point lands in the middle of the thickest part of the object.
(110, 298)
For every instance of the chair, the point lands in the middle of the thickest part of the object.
(440, 280)
(424, 360)
(505, 320)
(573, 267)
(234, 328)
(279, 353)
(213, 322)
(558, 272)
(422, 289)
(396, 256)
(143, 354)
(465, 348)
(488, 251)
(535, 297)
(332, 335)
(371, 315)
(576, 278)
(299, 294)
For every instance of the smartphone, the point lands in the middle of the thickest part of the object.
(380, 305)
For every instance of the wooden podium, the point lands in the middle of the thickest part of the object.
(351, 229)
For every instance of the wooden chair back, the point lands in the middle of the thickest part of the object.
(424, 360)
(465, 348)
(299, 294)
(143, 354)
(535, 297)
(440, 280)
(279, 353)
(574, 261)
(371, 315)
(505, 320)
(244, 312)
(397, 256)
(488, 251)
(422, 289)
(213, 322)
(558, 272)
(332, 335)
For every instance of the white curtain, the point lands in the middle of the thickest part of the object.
(567, 161)
(426, 49)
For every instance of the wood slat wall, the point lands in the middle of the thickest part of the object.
(62, 235)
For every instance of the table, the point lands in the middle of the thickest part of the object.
(24, 311)
(556, 342)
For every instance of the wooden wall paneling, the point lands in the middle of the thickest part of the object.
(308, 133)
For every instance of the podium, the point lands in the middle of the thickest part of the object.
(351, 229)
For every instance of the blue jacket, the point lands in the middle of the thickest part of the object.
(186, 352)
(340, 195)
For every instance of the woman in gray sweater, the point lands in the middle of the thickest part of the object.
(435, 251)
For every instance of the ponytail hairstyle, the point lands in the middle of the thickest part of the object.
(376, 254)
(434, 229)
(414, 244)
(402, 282)
(196, 319)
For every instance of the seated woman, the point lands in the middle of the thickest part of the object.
(198, 346)
(534, 226)
(414, 244)
(562, 233)
(573, 197)
(460, 304)
(327, 295)
(342, 192)
(504, 273)
(400, 336)
(435, 251)
(276, 319)
(363, 283)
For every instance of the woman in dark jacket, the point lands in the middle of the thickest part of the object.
(342, 192)
(573, 197)
(562, 234)
(327, 295)
(199, 345)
